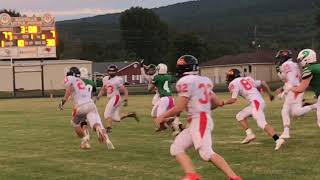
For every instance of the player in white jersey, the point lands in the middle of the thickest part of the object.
(247, 88)
(83, 109)
(112, 85)
(148, 76)
(195, 95)
(289, 72)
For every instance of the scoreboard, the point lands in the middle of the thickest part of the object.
(27, 37)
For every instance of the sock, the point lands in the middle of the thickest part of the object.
(286, 130)
(249, 131)
(275, 137)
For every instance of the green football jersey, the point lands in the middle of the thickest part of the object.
(91, 85)
(163, 83)
(314, 70)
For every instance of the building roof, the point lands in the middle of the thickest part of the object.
(101, 66)
(259, 57)
(45, 62)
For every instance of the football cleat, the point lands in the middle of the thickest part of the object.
(103, 138)
(134, 115)
(285, 136)
(109, 130)
(85, 143)
(161, 128)
(249, 138)
(279, 143)
(235, 178)
(191, 176)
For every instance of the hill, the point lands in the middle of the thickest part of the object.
(227, 23)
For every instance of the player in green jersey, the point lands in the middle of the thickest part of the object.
(163, 83)
(310, 76)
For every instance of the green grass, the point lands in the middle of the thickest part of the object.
(38, 142)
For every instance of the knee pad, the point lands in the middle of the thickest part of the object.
(206, 154)
(175, 150)
(240, 116)
(261, 124)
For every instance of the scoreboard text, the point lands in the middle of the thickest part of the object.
(27, 37)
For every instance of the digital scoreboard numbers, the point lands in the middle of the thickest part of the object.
(27, 37)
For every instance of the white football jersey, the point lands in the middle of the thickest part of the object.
(199, 91)
(290, 73)
(81, 93)
(112, 85)
(246, 87)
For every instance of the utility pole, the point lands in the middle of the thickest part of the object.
(255, 38)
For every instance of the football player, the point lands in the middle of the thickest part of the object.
(83, 109)
(148, 76)
(247, 88)
(307, 59)
(112, 85)
(163, 83)
(289, 73)
(196, 96)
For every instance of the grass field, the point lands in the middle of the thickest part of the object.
(37, 142)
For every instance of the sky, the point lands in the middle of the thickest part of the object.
(74, 9)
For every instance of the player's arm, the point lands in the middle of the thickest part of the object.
(181, 104)
(68, 84)
(152, 85)
(216, 102)
(143, 73)
(234, 90)
(306, 78)
(101, 92)
(67, 95)
(265, 86)
(124, 90)
(303, 85)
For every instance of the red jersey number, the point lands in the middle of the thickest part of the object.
(246, 84)
(206, 93)
(109, 89)
(80, 85)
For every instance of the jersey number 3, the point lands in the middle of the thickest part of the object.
(206, 93)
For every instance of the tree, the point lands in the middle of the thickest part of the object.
(11, 12)
(187, 43)
(144, 34)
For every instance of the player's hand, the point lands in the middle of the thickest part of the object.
(125, 102)
(159, 120)
(141, 62)
(61, 103)
(271, 97)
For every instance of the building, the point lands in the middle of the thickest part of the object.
(27, 74)
(129, 71)
(259, 65)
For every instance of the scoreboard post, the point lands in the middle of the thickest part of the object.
(27, 37)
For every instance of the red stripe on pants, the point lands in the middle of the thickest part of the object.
(256, 104)
(171, 103)
(203, 123)
(116, 101)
